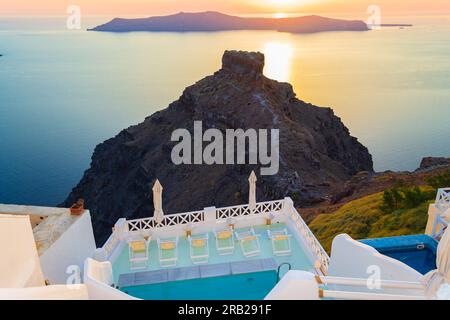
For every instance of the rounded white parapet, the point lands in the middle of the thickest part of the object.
(295, 285)
(98, 278)
(443, 292)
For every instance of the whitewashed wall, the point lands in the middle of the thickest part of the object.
(72, 248)
(98, 280)
(58, 292)
(19, 262)
(351, 258)
(295, 285)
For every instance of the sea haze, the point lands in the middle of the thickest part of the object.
(62, 92)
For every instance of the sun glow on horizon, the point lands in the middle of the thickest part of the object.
(236, 7)
(279, 15)
(277, 5)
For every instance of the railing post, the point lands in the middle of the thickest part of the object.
(288, 204)
(100, 255)
(432, 220)
(210, 214)
(121, 228)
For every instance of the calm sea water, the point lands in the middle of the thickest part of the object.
(62, 92)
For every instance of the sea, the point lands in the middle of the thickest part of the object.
(63, 91)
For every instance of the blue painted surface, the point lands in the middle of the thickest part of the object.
(417, 251)
(249, 286)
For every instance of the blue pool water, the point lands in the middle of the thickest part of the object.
(249, 286)
(418, 251)
(299, 259)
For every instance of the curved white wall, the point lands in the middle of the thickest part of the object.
(98, 278)
(295, 285)
(351, 258)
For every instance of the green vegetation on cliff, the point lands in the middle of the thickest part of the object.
(400, 210)
(363, 218)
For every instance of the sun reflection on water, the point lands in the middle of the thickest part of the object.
(278, 60)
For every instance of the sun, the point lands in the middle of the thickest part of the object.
(286, 5)
(279, 15)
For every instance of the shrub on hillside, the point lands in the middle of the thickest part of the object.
(401, 197)
(440, 180)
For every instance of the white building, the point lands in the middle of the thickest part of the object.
(256, 251)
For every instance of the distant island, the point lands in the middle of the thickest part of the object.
(215, 21)
(396, 25)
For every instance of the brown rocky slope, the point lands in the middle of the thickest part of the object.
(316, 150)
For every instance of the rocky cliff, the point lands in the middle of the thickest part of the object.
(316, 150)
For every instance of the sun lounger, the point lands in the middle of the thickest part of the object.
(168, 252)
(249, 242)
(281, 242)
(224, 241)
(199, 248)
(138, 252)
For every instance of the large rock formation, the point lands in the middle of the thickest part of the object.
(316, 150)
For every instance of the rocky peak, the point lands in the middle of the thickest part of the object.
(433, 162)
(316, 150)
(243, 62)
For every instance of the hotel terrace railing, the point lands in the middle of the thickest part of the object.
(441, 221)
(312, 242)
(245, 210)
(276, 208)
(168, 221)
(443, 199)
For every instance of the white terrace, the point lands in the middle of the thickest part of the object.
(312, 275)
(308, 254)
(239, 252)
(263, 235)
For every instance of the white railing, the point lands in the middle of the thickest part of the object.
(312, 242)
(245, 210)
(199, 216)
(418, 288)
(111, 244)
(443, 199)
(440, 225)
(352, 295)
(275, 207)
(442, 204)
(168, 221)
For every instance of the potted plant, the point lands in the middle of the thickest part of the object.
(77, 208)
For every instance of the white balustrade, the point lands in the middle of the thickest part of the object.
(312, 242)
(111, 244)
(442, 204)
(278, 207)
(244, 210)
(443, 199)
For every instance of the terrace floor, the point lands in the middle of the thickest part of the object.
(298, 259)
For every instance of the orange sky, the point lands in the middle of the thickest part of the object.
(152, 7)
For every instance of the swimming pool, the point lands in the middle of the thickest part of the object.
(417, 251)
(248, 286)
(299, 259)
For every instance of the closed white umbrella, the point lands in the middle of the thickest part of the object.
(434, 279)
(157, 202)
(252, 191)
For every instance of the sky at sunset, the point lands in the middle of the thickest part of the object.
(153, 7)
